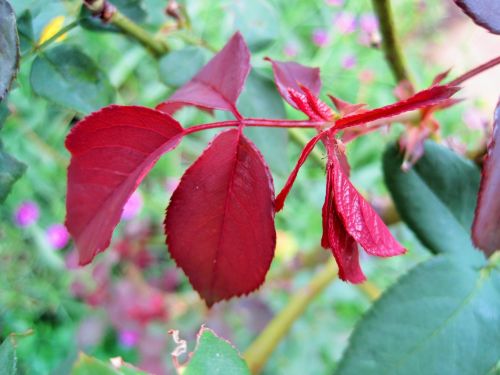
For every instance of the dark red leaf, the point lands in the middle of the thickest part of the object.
(111, 152)
(335, 237)
(291, 75)
(346, 108)
(429, 97)
(280, 199)
(360, 219)
(485, 13)
(486, 227)
(218, 84)
(220, 222)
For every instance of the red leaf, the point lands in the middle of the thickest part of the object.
(360, 219)
(336, 238)
(280, 199)
(112, 150)
(218, 84)
(431, 96)
(486, 226)
(291, 75)
(220, 222)
(485, 13)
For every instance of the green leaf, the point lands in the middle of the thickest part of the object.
(25, 31)
(86, 365)
(441, 318)
(215, 356)
(133, 9)
(10, 171)
(257, 20)
(178, 67)
(9, 47)
(8, 358)
(260, 98)
(68, 77)
(436, 198)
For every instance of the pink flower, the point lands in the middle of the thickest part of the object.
(133, 206)
(290, 50)
(320, 37)
(57, 236)
(368, 23)
(345, 22)
(336, 3)
(348, 62)
(128, 338)
(26, 214)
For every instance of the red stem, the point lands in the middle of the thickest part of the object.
(261, 122)
(471, 73)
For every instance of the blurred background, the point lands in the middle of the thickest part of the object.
(124, 303)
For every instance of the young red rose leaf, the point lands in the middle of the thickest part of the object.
(218, 84)
(220, 221)
(346, 108)
(111, 152)
(280, 199)
(432, 96)
(291, 75)
(360, 219)
(486, 226)
(485, 13)
(335, 237)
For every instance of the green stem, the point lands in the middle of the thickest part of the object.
(64, 30)
(390, 43)
(129, 27)
(262, 348)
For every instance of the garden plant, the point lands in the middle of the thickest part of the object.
(144, 234)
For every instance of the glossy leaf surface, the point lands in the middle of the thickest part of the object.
(360, 219)
(436, 198)
(112, 150)
(216, 356)
(486, 228)
(220, 221)
(218, 84)
(442, 317)
(75, 80)
(291, 75)
(9, 47)
(485, 13)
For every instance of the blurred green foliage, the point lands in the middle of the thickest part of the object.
(38, 288)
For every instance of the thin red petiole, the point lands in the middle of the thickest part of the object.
(477, 70)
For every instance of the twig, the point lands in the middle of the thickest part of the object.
(390, 43)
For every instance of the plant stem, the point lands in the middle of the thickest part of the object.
(64, 30)
(390, 43)
(129, 27)
(262, 348)
(471, 73)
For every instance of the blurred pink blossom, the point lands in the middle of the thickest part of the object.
(474, 119)
(27, 214)
(368, 23)
(336, 3)
(290, 50)
(348, 62)
(57, 236)
(90, 332)
(345, 22)
(128, 338)
(133, 206)
(320, 37)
